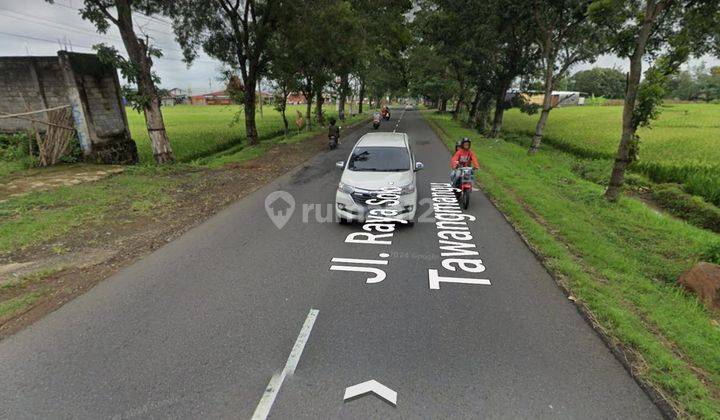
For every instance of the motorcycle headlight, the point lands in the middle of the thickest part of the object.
(347, 189)
(408, 189)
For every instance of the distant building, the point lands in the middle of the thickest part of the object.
(296, 98)
(174, 96)
(222, 98)
(214, 98)
(560, 98)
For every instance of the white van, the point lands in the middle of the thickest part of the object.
(379, 162)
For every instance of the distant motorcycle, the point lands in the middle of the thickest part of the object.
(386, 114)
(376, 121)
(462, 193)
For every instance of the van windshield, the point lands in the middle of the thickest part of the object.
(379, 159)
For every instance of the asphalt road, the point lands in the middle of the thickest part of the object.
(198, 328)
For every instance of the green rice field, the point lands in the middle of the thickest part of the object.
(198, 131)
(682, 145)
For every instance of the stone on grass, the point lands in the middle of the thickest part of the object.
(704, 281)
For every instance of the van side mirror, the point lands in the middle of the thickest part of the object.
(340, 164)
(418, 166)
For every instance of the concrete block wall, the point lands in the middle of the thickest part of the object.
(92, 89)
(34, 82)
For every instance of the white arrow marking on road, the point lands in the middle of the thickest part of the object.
(373, 386)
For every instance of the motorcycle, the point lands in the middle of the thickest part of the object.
(386, 114)
(332, 142)
(463, 190)
(376, 121)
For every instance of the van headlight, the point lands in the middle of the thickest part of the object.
(347, 189)
(408, 189)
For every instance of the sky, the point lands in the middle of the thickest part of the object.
(36, 27)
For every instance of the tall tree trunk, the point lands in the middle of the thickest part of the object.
(162, 153)
(283, 109)
(344, 87)
(472, 112)
(458, 106)
(622, 158)
(499, 108)
(250, 127)
(499, 113)
(308, 110)
(547, 99)
(319, 101)
(362, 97)
(137, 51)
(308, 94)
(483, 117)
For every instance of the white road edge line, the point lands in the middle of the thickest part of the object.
(276, 381)
(398, 122)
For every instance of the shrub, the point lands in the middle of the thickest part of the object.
(712, 253)
(688, 207)
(593, 170)
(14, 147)
(595, 101)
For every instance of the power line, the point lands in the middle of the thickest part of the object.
(66, 27)
(38, 21)
(71, 44)
(155, 18)
(137, 25)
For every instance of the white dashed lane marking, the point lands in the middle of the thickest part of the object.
(268, 398)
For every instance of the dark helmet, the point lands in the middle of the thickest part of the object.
(331, 120)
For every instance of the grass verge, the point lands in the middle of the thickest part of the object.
(113, 211)
(619, 261)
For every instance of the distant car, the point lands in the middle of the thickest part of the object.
(378, 162)
(409, 107)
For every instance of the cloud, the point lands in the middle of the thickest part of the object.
(36, 27)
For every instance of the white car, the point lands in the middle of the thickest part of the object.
(378, 163)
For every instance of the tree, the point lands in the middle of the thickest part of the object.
(384, 38)
(137, 68)
(682, 86)
(428, 77)
(517, 52)
(308, 48)
(566, 36)
(598, 81)
(282, 73)
(700, 83)
(444, 27)
(668, 30)
(236, 33)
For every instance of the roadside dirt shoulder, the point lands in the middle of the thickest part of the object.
(125, 238)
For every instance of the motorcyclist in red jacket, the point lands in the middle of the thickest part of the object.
(463, 157)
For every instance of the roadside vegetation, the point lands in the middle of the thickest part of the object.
(196, 158)
(682, 146)
(47, 224)
(618, 260)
